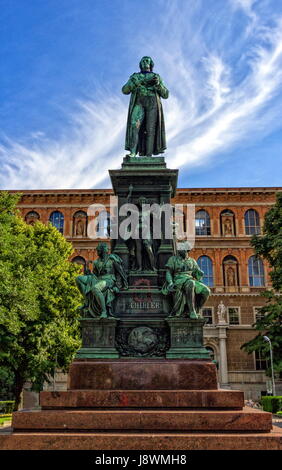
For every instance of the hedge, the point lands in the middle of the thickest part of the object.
(272, 404)
(7, 406)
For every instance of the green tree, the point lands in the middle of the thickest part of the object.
(269, 246)
(6, 384)
(39, 319)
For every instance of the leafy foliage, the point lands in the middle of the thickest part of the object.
(269, 246)
(39, 319)
(271, 404)
(7, 379)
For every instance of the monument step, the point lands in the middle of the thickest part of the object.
(144, 420)
(142, 399)
(141, 441)
(142, 374)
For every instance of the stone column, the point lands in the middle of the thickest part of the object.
(223, 369)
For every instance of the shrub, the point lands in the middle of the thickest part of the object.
(6, 407)
(272, 404)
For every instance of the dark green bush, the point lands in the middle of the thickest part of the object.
(272, 404)
(6, 407)
(7, 379)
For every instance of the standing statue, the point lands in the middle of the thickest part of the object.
(100, 286)
(145, 132)
(227, 227)
(183, 281)
(141, 247)
(221, 311)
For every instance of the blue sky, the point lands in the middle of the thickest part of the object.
(63, 63)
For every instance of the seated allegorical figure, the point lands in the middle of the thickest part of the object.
(100, 286)
(183, 284)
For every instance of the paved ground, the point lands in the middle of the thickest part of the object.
(277, 422)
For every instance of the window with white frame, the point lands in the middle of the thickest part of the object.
(257, 314)
(207, 314)
(234, 315)
(261, 361)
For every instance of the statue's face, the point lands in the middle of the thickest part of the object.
(145, 64)
(102, 249)
(182, 254)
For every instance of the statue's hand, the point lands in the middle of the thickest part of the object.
(156, 80)
(170, 288)
(153, 81)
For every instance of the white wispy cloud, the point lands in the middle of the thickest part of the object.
(225, 89)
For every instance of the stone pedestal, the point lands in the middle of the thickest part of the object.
(98, 338)
(186, 339)
(150, 178)
(146, 374)
(142, 405)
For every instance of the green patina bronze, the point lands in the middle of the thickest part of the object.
(145, 132)
(144, 299)
(100, 287)
(183, 284)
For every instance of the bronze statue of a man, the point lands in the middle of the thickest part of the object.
(100, 286)
(183, 282)
(145, 132)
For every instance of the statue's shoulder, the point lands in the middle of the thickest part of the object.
(115, 258)
(193, 261)
(172, 261)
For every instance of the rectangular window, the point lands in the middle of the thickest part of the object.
(234, 315)
(258, 315)
(207, 314)
(261, 362)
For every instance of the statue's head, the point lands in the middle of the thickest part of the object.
(146, 64)
(142, 200)
(183, 249)
(102, 248)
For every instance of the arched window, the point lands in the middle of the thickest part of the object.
(227, 223)
(80, 224)
(252, 226)
(103, 225)
(202, 221)
(79, 260)
(31, 217)
(205, 264)
(57, 219)
(256, 271)
(230, 271)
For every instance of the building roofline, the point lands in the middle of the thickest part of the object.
(258, 189)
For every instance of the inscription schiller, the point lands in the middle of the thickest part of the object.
(144, 305)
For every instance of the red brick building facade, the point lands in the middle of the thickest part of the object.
(225, 222)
